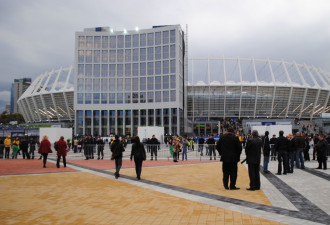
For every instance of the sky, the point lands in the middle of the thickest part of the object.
(38, 35)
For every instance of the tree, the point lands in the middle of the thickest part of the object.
(6, 118)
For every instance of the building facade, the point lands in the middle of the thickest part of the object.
(17, 89)
(126, 79)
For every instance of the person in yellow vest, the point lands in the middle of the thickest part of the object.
(7, 147)
(15, 148)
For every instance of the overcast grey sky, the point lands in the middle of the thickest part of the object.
(38, 35)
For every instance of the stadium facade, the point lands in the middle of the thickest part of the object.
(137, 78)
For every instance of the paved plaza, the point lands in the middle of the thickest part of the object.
(189, 192)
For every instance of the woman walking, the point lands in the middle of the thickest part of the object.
(44, 149)
(61, 151)
(139, 154)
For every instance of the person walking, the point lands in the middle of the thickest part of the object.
(281, 148)
(139, 154)
(32, 145)
(154, 146)
(24, 145)
(266, 152)
(45, 149)
(253, 156)
(230, 149)
(299, 142)
(7, 142)
(211, 143)
(184, 148)
(61, 151)
(201, 145)
(321, 152)
(100, 148)
(117, 150)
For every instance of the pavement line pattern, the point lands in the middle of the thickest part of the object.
(308, 212)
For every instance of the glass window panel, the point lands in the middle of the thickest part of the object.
(88, 70)
(104, 70)
(120, 55)
(165, 37)
(172, 51)
(135, 40)
(142, 83)
(158, 82)
(128, 41)
(112, 84)
(119, 98)
(88, 98)
(81, 41)
(135, 69)
(105, 57)
(113, 43)
(150, 97)
(166, 67)
(97, 56)
(81, 55)
(128, 70)
(104, 99)
(120, 70)
(89, 56)
(96, 98)
(151, 53)
(172, 66)
(112, 70)
(143, 97)
(173, 82)
(158, 67)
(80, 98)
(150, 68)
(97, 42)
(89, 42)
(96, 85)
(135, 54)
(105, 41)
(143, 69)
(120, 41)
(127, 98)
(151, 39)
(96, 70)
(112, 98)
(172, 36)
(88, 85)
(158, 96)
(150, 83)
(158, 38)
(112, 56)
(104, 84)
(135, 96)
(158, 53)
(143, 54)
(165, 96)
(120, 84)
(173, 96)
(165, 52)
(166, 82)
(127, 84)
(80, 84)
(128, 53)
(135, 84)
(142, 40)
(80, 69)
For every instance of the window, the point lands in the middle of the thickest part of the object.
(112, 69)
(88, 70)
(112, 84)
(173, 82)
(135, 83)
(96, 70)
(88, 85)
(158, 38)
(172, 36)
(120, 70)
(105, 40)
(150, 97)
(81, 56)
(113, 42)
(158, 53)
(135, 40)
(112, 98)
(143, 97)
(142, 40)
(165, 96)
(165, 37)
(120, 41)
(135, 54)
(96, 85)
(158, 95)
(143, 69)
(165, 52)
(128, 39)
(151, 53)
(143, 53)
(105, 56)
(128, 70)
(80, 69)
(135, 97)
(88, 98)
(150, 68)
(97, 42)
(142, 83)
(135, 69)
(150, 83)
(166, 67)
(150, 39)
(104, 70)
(97, 56)
(158, 67)
(173, 96)
(88, 56)
(89, 42)
(172, 51)
(120, 84)
(127, 84)
(80, 98)
(165, 82)
(172, 66)
(119, 98)
(158, 82)
(80, 84)
(120, 55)
(104, 84)
(81, 41)
(104, 99)
(96, 98)
(127, 98)
(128, 53)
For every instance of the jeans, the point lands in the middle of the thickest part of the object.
(118, 163)
(184, 153)
(200, 148)
(266, 161)
(300, 158)
(291, 158)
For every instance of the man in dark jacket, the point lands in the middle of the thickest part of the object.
(211, 144)
(272, 142)
(266, 151)
(230, 149)
(253, 156)
(32, 147)
(24, 145)
(201, 145)
(117, 149)
(321, 151)
(281, 148)
(299, 142)
(154, 146)
(100, 148)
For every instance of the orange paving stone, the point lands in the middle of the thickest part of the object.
(84, 198)
(25, 166)
(206, 177)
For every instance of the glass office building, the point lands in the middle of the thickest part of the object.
(126, 79)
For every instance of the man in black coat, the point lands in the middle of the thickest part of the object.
(230, 149)
(154, 146)
(201, 145)
(321, 151)
(266, 151)
(211, 144)
(253, 156)
(100, 147)
(281, 148)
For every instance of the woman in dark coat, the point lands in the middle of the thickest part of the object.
(321, 151)
(61, 151)
(44, 149)
(139, 154)
(117, 149)
(253, 156)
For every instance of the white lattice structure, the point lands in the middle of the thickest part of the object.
(255, 88)
(49, 98)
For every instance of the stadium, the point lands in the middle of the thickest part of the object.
(218, 89)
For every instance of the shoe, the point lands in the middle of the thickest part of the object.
(267, 171)
(284, 173)
(44, 166)
(175, 160)
(227, 188)
(58, 166)
(98, 158)
(325, 168)
(86, 159)
(215, 158)
(151, 159)
(250, 189)
(302, 168)
(318, 168)
(138, 178)
(234, 188)
(102, 158)
(278, 174)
